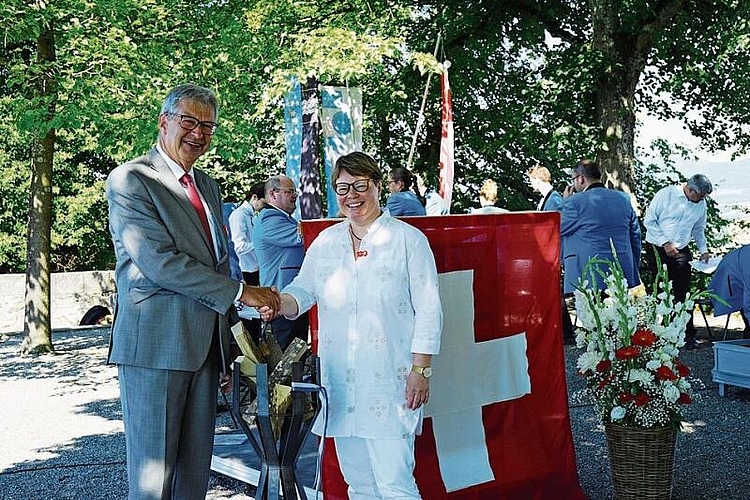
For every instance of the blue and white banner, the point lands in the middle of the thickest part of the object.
(293, 133)
(311, 198)
(342, 130)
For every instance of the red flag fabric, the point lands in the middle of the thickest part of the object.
(446, 140)
(512, 264)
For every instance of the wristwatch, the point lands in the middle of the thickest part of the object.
(425, 371)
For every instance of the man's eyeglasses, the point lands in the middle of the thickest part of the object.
(573, 179)
(287, 190)
(188, 122)
(360, 186)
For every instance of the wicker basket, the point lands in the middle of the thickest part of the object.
(642, 461)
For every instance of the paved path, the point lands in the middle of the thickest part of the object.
(61, 430)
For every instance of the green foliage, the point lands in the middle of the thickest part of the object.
(525, 80)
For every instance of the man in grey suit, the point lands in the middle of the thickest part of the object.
(170, 334)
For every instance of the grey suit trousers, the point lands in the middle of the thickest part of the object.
(169, 429)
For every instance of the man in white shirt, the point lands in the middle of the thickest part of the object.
(241, 222)
(676, 215)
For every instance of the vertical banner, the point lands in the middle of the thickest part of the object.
(293, 134)
(446, 139)
(497, 424)
(342, 130)
(310, 201)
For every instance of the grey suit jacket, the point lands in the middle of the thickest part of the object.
(173, 294)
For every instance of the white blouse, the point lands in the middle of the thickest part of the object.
(374, 312)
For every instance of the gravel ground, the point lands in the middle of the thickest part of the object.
(61, 430)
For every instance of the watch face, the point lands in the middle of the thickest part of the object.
(427, 372)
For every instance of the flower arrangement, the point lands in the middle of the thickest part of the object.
(631, 348)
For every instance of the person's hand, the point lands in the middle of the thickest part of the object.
(670, 249)
(267, 314)
(261, 296)
(417, 390)
(705, 256)
(568, 191)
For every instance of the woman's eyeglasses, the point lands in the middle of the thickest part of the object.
(360, 186)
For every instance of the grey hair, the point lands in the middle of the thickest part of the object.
(700, 184)
(273, 182)
(189, 92)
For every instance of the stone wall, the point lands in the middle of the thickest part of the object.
(72, 294)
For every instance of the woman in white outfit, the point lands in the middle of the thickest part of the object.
(375, 283)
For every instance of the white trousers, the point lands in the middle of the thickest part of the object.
(378, 468)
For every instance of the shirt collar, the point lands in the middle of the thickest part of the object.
(176, 169)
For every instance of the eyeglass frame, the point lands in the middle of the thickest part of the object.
(294, 191)
(212, 126)
(351, 185)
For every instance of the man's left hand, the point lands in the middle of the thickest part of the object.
(705, 256)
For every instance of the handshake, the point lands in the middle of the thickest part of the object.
(267, 301)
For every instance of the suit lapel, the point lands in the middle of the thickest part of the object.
(546, 198)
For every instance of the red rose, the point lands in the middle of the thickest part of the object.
(684, 399)
(625, 397)
(683, 370)
(643, 337)
(629, 352)
(642, 399)
(603, 365)
(664, 373)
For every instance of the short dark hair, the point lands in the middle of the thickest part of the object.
(589, 169)
(357, 164)
(258, 189)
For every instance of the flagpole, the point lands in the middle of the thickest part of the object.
(420, 118)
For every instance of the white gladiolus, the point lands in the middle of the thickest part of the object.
(671, 393)
(653, 364)
(588, 361)
(639, 375)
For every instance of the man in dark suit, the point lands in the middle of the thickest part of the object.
(279, 248)
(170, 334)
(731, 282)
(592, 216)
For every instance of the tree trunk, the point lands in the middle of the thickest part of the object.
(615, 97)
(625, 57)
(37, 324)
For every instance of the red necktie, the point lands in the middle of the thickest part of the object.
(195, 199)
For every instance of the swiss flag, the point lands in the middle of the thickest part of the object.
(497, 425)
